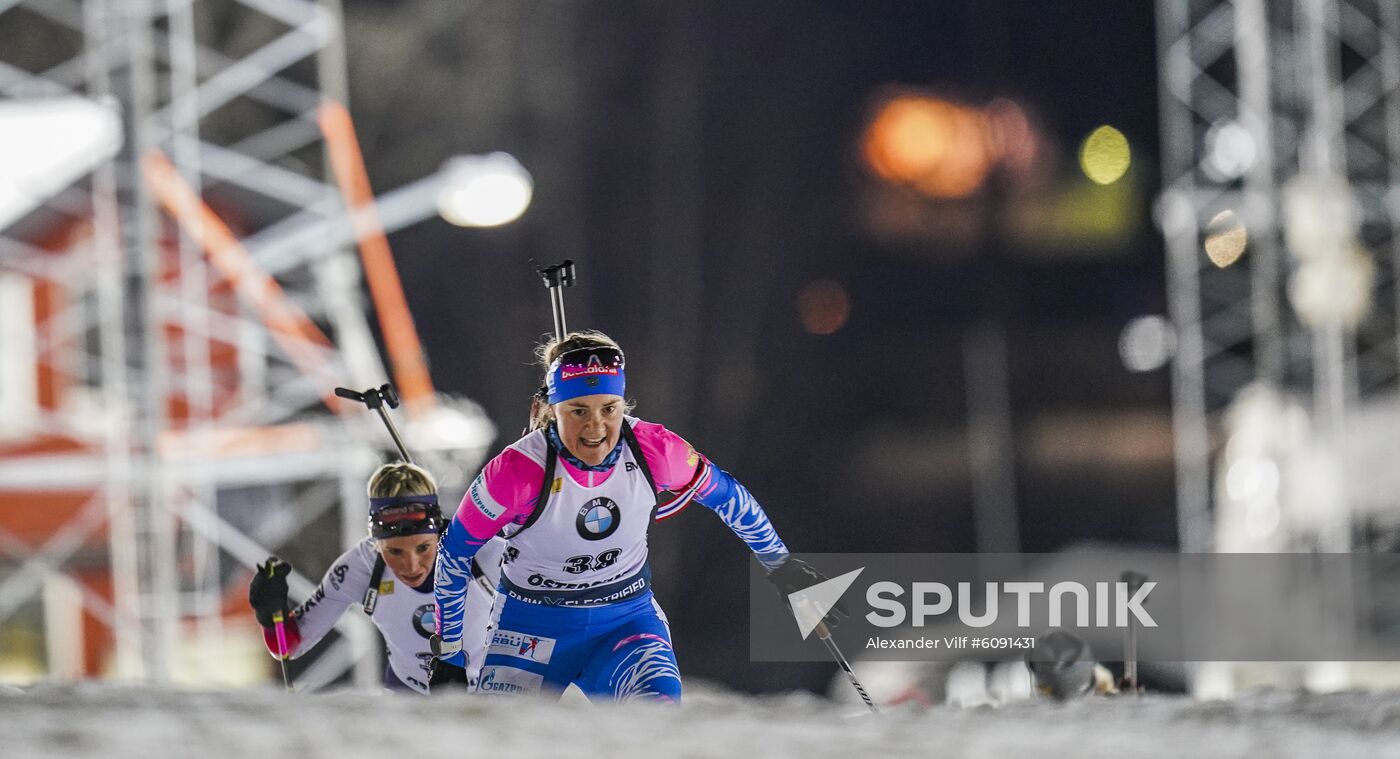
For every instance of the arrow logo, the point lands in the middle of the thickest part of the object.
(811, 604)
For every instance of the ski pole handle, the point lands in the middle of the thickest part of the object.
(376, 398)
(556, 278)
(279, 626)
(271, 590)
(348, 394)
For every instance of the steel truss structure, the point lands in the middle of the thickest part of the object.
(174, 404)
(1313, 86)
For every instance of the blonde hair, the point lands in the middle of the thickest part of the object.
(541, 412)
(401, 478)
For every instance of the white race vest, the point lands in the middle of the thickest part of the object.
(405, 618)
(403, 615)
(589, 544)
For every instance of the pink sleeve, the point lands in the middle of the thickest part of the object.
(504, 492)
(672, 460)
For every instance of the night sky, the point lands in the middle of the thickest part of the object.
(699, 162)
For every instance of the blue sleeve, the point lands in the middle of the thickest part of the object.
(734, 504)
(452, 580)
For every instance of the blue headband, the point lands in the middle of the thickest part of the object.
(586, 371)
(378, 504)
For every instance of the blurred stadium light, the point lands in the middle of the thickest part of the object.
(1231, 151)
(1226, 238)
(823, 306)
(940, 148)
(1105, 155)
(48, 144)
(1147, 343)
(935, 160)
(944, 149)
(484, 191)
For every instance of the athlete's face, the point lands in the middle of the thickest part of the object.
(411, 556)
(590, 425)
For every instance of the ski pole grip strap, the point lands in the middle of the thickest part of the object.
(280, 629)
(371, 599)
(444, 648)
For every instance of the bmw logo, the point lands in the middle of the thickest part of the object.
(425, 621)
(598, 519)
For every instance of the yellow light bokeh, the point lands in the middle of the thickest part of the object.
(1105, 155)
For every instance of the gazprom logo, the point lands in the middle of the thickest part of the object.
(509, 680)
(480, 502)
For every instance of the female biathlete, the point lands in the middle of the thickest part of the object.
(574, 499)
(390, 573)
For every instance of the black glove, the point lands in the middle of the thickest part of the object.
(444, 673)
(795, 575)
(1061, 665)
(267, 593)
(447, 675)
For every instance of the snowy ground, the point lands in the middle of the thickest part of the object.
(103, 720)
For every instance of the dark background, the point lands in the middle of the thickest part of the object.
(699, 161)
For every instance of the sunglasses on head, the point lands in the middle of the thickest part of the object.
(407, 519)
(608, 358)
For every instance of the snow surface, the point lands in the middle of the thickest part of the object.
(113, 721)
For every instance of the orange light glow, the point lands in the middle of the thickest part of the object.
(947, 150)
(823, 306)
(940, 148)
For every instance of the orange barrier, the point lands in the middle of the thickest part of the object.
(293, 330)
(400, 336)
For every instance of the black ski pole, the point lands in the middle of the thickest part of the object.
(1134, 580)
(836, 654)
(377, 398)
(801, 607)
(279, 626)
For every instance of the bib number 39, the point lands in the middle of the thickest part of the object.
(577, 565)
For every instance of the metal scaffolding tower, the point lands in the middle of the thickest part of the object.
(184, 368)
(1282, 118)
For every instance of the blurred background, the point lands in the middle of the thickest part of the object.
(965, 276)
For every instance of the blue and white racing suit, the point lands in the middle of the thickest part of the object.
(575, 602)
